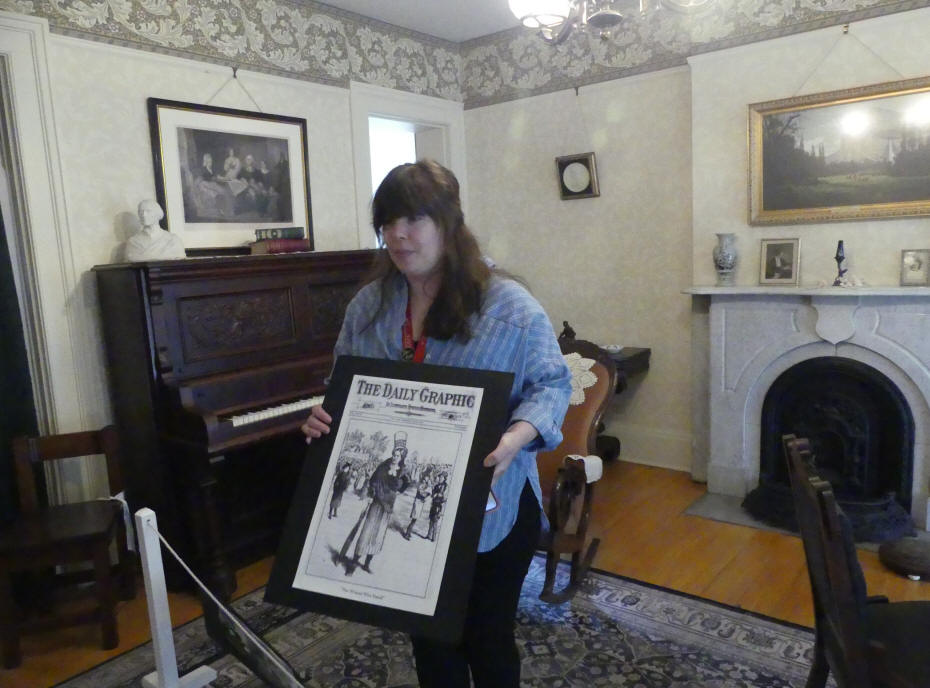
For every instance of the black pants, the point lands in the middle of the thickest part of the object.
(488, 647)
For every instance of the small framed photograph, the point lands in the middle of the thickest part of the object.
(384, 524)
(577, 176)
(779, 261)
(221, 174)
(915, 267)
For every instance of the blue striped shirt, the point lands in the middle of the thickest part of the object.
(512, 333)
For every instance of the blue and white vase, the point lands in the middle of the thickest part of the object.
(725, 257)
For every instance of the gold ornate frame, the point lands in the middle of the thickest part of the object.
(795, 142)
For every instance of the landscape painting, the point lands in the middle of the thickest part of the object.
(854, 154)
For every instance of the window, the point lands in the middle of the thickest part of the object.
(391, 143)
(392, 127)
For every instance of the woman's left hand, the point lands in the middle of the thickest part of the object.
(517, 436)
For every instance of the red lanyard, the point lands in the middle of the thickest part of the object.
(412, 351)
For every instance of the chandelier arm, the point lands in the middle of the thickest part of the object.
(556, 35)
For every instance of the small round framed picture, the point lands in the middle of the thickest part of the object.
(915, 267)
(577, 176)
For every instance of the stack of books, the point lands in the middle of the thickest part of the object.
(280, 240)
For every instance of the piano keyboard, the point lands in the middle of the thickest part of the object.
(274, 411)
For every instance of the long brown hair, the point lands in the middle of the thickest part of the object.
(427, 188)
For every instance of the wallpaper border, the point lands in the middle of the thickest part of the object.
(311, 41)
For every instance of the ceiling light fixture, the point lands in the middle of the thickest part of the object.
(557, 19)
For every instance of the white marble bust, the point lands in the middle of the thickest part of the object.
(152, 242)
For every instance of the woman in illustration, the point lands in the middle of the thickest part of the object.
(419, 501)
(386, 482)
(340, 484)
(231, 165)
(432, 298)
(436, 505)
(210, 194)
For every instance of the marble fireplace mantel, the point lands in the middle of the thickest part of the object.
(746, 337)
(844, 292)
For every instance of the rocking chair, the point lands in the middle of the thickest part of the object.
(567, 473)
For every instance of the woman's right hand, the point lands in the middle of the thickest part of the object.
(317, 423)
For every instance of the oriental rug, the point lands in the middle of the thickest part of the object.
(615, 632)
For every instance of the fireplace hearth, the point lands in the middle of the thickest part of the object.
(847, 368)
(862, 440)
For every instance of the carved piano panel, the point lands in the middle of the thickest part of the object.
(327, 307)
(228, 324)
(212, 363)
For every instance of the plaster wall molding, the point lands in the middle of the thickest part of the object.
(52, 298)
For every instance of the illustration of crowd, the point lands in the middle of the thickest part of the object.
(410, 494)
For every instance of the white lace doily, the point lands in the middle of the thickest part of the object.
(582, 377)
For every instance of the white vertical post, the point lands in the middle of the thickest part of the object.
(156, 595)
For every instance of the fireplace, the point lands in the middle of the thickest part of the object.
(835, 364)
(862, 437)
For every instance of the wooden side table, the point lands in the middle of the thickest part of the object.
(630, 360)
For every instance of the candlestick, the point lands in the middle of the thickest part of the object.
(839, 258)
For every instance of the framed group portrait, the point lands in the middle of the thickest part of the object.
(385, 520)
(779, 261)
(221, 174)
(854, 154)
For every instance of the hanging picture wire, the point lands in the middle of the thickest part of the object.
(234, 77)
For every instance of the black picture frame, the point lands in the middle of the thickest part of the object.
(377, 595)
(223, 206)
(577, 176)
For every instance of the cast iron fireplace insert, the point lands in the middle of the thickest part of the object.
(861, 432)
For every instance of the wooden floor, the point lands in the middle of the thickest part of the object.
(644, 535)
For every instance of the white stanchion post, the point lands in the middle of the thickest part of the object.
(156, 595)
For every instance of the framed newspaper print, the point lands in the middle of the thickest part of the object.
(385, 519)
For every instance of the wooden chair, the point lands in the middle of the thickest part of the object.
(864, 641)
(46, 536)
(567, 474)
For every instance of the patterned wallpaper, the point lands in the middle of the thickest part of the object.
(312, 41)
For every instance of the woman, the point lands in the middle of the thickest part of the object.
(433, 298)
(387, 481)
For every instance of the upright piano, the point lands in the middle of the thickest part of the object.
(212, 365)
